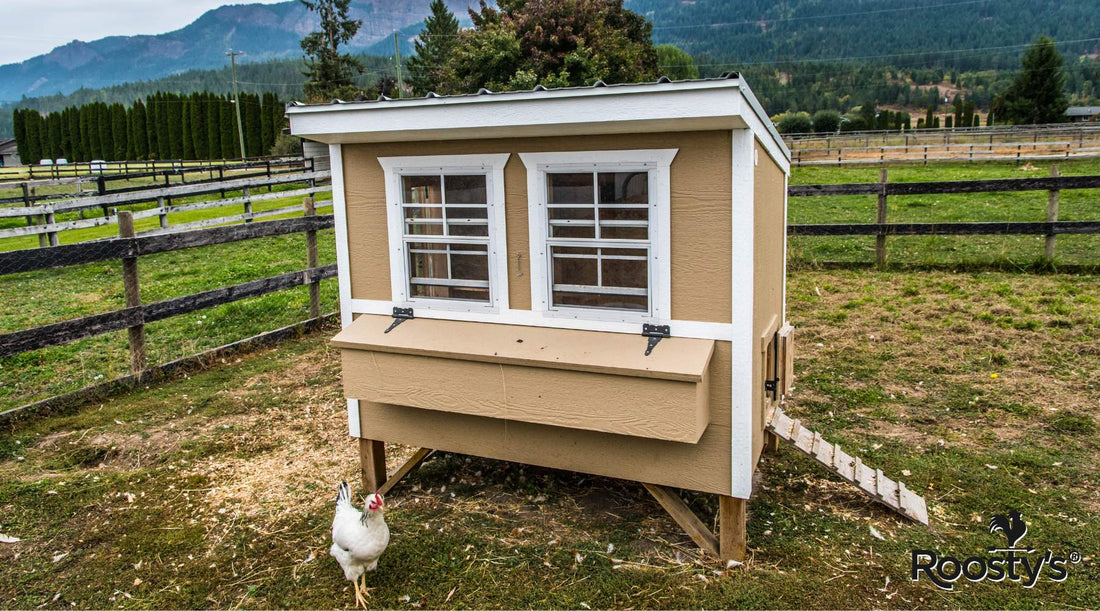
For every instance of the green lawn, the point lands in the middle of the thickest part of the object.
(216, 490)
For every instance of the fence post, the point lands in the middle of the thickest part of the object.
(133, 293)
(880, 238)
(247, 192)
(311, 259)
(1052, 216)
(163, 216)
(50, 219)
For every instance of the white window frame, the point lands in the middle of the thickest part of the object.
(657, 163)
(492, 166)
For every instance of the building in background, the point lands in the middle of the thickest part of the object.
(1080, 114)
(9, 155)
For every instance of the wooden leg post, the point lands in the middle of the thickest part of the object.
(771, 442)
(372, 464)
(731, 525)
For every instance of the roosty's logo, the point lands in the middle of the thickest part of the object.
(1010, 562)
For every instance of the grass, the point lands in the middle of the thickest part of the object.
(1009, 252)
(215, 491)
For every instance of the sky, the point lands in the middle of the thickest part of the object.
(41, 25)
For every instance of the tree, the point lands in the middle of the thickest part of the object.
(198, 126)
(330, 73)
(556, 43)
(19, 124)
(1037, 93)
(253, 139)
(928, 116)
(793, 123)
(826, 121)
(213, 127)
(434, 45)
(119, 133)
(139, 135)
(675, 63)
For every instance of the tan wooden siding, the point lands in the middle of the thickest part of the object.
(768, 265)
(704, 466)
(701, 218)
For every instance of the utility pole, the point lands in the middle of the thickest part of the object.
(236, 96)
(397, 61)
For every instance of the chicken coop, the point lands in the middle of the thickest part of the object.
(587, 278)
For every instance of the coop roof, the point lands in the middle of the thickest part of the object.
(665, 105)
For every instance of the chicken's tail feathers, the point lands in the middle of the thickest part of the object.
(343, 494)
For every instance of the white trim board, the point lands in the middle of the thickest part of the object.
(741, 317)
(489, 165)
(528, 318)
(721, 104)
(343, 275)
(654, 161)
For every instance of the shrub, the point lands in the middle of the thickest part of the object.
(793, 123)
(826, 121)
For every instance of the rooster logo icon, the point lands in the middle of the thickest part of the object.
(1011, 526)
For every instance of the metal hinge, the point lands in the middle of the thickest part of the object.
(772, 385)
(655, 333)
(400, 315)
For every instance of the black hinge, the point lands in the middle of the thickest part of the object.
(655, 333)
(772, 385)
(400, 315)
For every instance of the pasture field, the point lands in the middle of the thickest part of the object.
(1006, 252)
(978, 388)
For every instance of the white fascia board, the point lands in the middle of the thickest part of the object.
(743, 172)
(761, 125)
(603, 110)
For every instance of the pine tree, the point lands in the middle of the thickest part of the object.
(88, 136)
(103, 127)
(433, 48)
(928, 117)
(948, 122)
(119, 132)
(267, 122)
(187, 144)
(228, 137)
(213, 127)
(330, 73)
(19, 126)
(253, 139)
(175, 126)
(140, 131)
(198, 126)
(1037, 94)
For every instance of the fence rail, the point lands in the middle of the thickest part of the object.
(129, 248)
(93, 170)
(41, 217)
(1051, 227)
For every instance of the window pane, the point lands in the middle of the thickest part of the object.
(470, 267)
(463, 189)
(421, 190)
(449, 271)
(569, 188)
(591, 300)
(617, 272)
(574, 266)
(572, 222)
(624, 187)
(467, 221)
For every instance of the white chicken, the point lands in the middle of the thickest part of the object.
(358, 538)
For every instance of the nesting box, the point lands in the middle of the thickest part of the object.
(587, 278)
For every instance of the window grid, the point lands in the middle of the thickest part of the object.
(599, 243)
(446, 238)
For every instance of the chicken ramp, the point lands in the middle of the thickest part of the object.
(870, 481)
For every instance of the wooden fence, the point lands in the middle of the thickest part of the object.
(1002, 143)
(41, 217)
(87, 169)
(1050, 228)
(129, 248)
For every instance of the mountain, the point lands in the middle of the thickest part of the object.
(954, 35)
(262, 31)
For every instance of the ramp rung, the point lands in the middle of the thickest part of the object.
(871, 482)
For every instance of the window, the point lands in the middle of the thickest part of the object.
(599, 233)
(446, 230)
